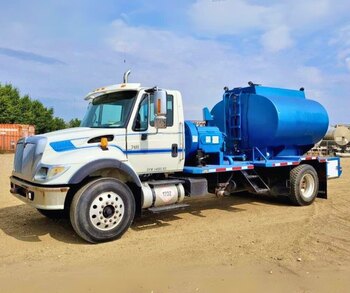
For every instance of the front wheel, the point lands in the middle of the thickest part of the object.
(304, 185)
(102, 210)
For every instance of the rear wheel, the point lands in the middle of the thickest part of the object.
(304, 185)
(102, 210)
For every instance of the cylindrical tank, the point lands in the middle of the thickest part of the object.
(340, 135)
(272, 121)
(272, 118)
(161, 195)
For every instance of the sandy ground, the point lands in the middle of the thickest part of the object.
(245, 244)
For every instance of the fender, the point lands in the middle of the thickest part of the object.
(91, 167)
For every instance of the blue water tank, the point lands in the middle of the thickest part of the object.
(280, 120)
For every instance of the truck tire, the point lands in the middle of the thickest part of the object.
(53, 214)
(102, 210)
(303, 185)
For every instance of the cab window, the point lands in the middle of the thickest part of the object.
(110, 110)
(141, 119)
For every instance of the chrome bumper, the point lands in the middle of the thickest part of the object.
(47, 198)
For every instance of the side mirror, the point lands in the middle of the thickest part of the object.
(160, 102)
(160, 109)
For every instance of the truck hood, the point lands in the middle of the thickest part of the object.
(68, 139)
(57, 147)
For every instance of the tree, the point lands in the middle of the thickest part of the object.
(9, 98)
(73, 123)
(43, 117)
(57, 124)
(24, 110)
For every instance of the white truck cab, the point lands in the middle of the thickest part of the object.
(118, 139)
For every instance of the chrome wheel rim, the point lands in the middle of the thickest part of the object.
(106, 211)
(307, 186)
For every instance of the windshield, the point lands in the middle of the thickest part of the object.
(109, 110)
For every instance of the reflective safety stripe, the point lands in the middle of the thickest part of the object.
(216, 170)
(285, 164)
(309, 158)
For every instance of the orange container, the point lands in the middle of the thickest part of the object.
(11, 133)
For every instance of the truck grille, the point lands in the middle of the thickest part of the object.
(28, 154)
(19, 155)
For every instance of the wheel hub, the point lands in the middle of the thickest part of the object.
(106, 211)
(307, 186)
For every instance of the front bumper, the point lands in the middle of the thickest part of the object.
(40, 197)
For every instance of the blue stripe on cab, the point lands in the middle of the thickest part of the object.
(62, 146)
(148, 151)
(67, 145)
(145, 151)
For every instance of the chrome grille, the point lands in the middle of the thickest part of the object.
(28, 154)
(28, 158)
(18, 156)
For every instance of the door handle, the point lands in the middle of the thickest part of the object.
(143, 136)
(174, 150)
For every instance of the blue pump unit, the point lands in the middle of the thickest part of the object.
(203, 144)
(266, 123)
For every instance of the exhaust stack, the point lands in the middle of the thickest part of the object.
(126, 75)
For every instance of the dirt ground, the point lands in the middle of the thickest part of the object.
(244, 244)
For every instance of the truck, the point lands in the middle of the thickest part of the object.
(135, 152)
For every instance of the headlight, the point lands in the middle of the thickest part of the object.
(47, 173)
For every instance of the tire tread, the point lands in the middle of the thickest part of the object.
(295, 175)
(80, 229)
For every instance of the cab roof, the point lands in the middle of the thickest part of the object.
(112, 88)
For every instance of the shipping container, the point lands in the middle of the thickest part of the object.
(11, 133)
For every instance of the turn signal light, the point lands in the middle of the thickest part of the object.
(159, 106)
(104, 143)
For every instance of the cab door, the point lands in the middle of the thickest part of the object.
(152, 151)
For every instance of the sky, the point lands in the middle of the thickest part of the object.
(57, 51)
